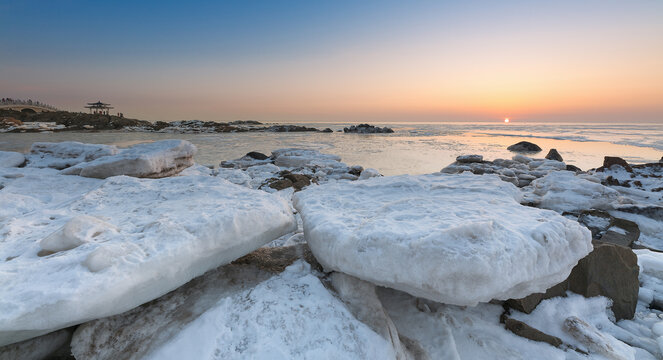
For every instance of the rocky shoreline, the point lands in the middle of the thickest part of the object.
(299, 253)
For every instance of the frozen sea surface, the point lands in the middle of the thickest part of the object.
(414, 148)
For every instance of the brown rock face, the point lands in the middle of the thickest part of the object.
(611, 271)
(609, 161)
(554, 155)
(523, 330)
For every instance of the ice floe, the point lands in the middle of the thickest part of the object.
(64, 154)
(72, 259)
(458, 239)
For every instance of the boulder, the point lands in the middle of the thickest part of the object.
(610, 161)
(367, 129)
(612, 271)
(257, 155)
(554, 155)
(523, 330)
(524, 147)
(530, 302)
(573, 168)
(150, 160)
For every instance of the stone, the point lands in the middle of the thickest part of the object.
(621, 232)
(299, 181)
(257, 155)
(280, 184)
(530, 302)
(554, 155)
(611, 271)
(523, 330)
(610, 161)
(367, 129)
(593, 339)
(524, 146)
(469, 159)
(573, 168)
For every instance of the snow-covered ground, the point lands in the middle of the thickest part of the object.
(420, 263)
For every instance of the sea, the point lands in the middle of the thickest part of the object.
(413, 148)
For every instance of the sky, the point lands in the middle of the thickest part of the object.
(349, 61)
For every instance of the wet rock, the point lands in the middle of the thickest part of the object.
(367, 129)
(610, 161)
(573, 168)
(525, 147)
(611, 271)
(523, 330)
(554, 155)
(257, 155)
(464, 159)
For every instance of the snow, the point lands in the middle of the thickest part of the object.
(565, 191)
(293, 158)
(64, 154)
(135, 240)
(453, 332)
(457, 239)
(287, 316)
(559, 317)
(368, 173)
(154, 160)
(11, 159)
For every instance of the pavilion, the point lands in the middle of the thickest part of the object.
(99, 108)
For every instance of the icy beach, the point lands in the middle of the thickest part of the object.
(141, 252)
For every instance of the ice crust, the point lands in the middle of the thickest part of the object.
(11, 159)
(457, 239)
(67, 153)
(152, 160)
(125, 242)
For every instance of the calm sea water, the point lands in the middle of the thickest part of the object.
(414, 148)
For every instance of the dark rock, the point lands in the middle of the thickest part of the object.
(289, 128)
(367, 129)
(280, 184)
(257, 155)
(554, 155)
(276, 259)
(523, 330)
(356, 170)
(299, 181)
(530, 302)
(610, 161)
(327, 130)
(573, 168)
(467, 159)
(611, 181)
(631, 233)
(611, 271)
(524, 147)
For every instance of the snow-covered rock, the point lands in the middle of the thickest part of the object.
(150, 160)
(292, 158)
(458, 239)
(11, 159)
(122, 244)
(238, 312)
(67, 153)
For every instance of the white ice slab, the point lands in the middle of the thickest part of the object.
(67, 153)
(458, 239)
(11, 159)
(150, 237)
(151, 160)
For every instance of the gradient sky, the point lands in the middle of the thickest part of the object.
(339, 60)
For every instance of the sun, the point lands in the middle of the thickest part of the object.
(506, 120)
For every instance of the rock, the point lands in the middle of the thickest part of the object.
(299, 181)
(11, 121)
(289, 128)
(523, 330)
(11, 159)
(363, 228)
(610, 161)
(594, 340)
(469, 159)
(611, 271)
(524, 147)
(573, 168)
(52, 346)
(356, 170)
(554, 155)
(280, 184)
(529, 302)
(369, 173)
(367, 129)
(327, 130)
(150, 160)
(257, 155)
(621, 232)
